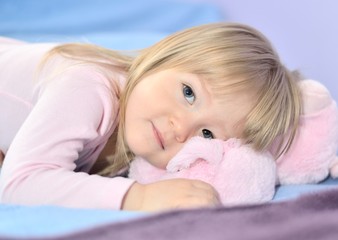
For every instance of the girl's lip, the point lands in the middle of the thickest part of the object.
(158, 137)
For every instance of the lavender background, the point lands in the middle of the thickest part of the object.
(304, 32)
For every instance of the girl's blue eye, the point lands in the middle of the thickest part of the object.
(188, 93)
(207, 134)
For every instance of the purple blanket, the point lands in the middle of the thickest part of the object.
(313, 216)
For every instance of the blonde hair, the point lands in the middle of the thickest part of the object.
(230, 57)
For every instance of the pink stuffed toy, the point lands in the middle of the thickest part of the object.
(239, 174)
(314, 151)
(244, 176)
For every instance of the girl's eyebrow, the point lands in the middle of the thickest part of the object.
(201, 86)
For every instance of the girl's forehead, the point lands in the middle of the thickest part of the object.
(231, 89)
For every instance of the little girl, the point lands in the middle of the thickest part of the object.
(65, 108)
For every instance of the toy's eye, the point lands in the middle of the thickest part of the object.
(207, 134)
(188, 93)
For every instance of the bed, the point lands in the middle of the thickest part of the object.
(131, 25)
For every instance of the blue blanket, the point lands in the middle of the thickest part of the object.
(43, 221)
(129, 24)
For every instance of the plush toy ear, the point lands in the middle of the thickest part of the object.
(210, 150)
(313, 151)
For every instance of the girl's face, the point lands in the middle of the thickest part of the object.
(169, 107)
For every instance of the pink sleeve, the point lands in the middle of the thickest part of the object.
(72, 116)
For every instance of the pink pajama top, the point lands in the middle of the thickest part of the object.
(52, 129)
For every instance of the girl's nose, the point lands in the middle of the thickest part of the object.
(182, 128)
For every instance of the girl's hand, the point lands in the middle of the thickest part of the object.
(170, 194)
